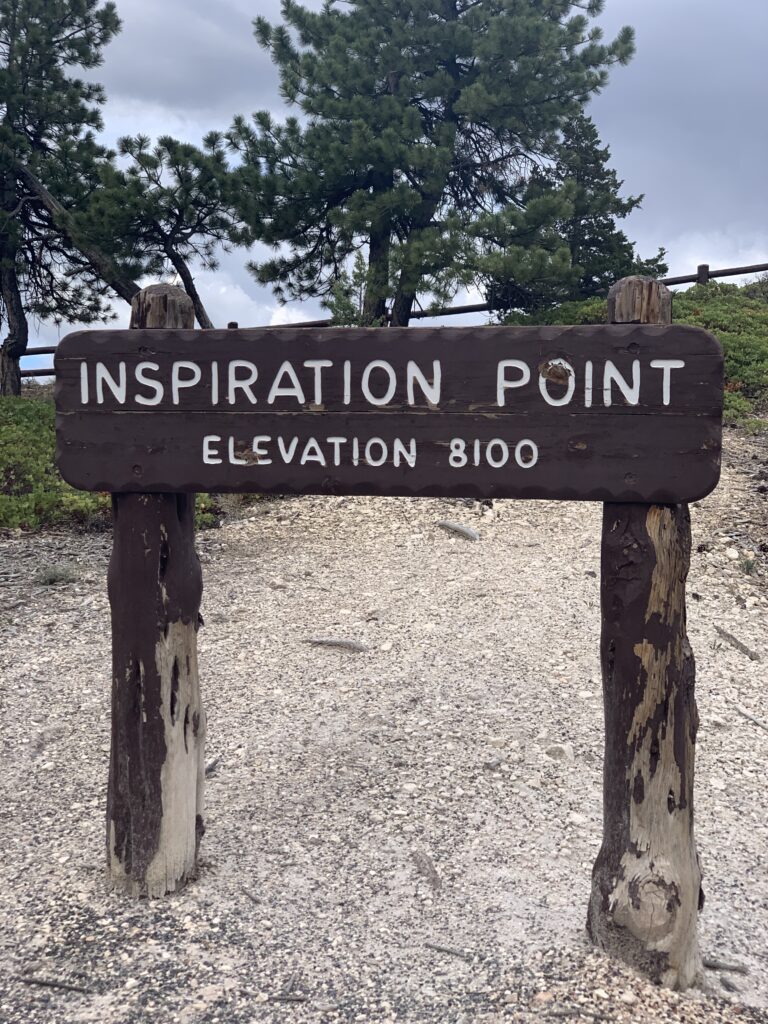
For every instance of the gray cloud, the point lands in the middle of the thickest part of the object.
(685, 122)
(191, 56)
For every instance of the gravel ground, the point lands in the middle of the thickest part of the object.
(400, 834)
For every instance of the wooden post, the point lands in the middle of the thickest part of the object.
(157, 761)
(702, 273)
(646, 882)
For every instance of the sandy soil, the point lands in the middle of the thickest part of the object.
(405, 833)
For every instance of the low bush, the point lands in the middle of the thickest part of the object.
(32, 494)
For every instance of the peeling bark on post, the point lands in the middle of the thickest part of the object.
(646, 882)
(157, 761)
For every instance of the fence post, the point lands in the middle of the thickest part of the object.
(646, 882)
(157, 760)
(702, 273)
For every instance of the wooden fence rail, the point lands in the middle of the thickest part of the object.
(702, 276)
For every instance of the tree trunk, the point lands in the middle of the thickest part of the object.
(377, 281)
(646, 883)
(157, 760)
(102, 264)
(402, 308)
(15, 344)
(410, 274)
(379, 250)
(181, 268)
(10, 373)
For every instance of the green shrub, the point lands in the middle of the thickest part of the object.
(32, 494)
(736, 316)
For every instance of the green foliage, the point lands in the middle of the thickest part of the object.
(170, 207)
(741, 324)
(32, 494)
(758, 289)
(737, 318)
(594, 252)
(419, 126)
(48, 120)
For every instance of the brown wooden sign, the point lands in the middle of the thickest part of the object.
(601, 413)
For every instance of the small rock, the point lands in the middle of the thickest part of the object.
(574, 818)
(463, 531)
(560, 752)
(542, 997)
(629, 998)
(732, 553)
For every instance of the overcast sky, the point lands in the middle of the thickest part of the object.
(686, 120)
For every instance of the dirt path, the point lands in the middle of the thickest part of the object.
(405, 833)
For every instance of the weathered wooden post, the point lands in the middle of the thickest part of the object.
(646, 882)
(157, 766)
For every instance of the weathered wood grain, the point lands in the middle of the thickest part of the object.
(655, 450)
(646, 883)
(157, 760)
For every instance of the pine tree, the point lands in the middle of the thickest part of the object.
(48, 163)
(171, 207)
(599, 253)
(420, 123)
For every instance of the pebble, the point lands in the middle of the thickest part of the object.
(560, 752)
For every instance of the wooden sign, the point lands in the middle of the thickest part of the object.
(606, 413)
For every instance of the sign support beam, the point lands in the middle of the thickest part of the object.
(646, 882)
(157, 759)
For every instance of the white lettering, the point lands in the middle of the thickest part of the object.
(312, 453)
(178, 382)
(347, 382)
(503, 458)
(241, 385)
(379, 364)
(117, 387)
(401, 452)
(210, 454)
(155, 385)
(233, 459)
(293, 390)
(431, 391)
(383, 452)
(355, 452)
(318, 365)
(631, 392)
(337, 442)
(533, 457)
(214, 383)
(258, 452)
(502, 384)
(588, 375)
(84, 397)
(666, 366)
(287, 453)
(561, 364)
(458, 457)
